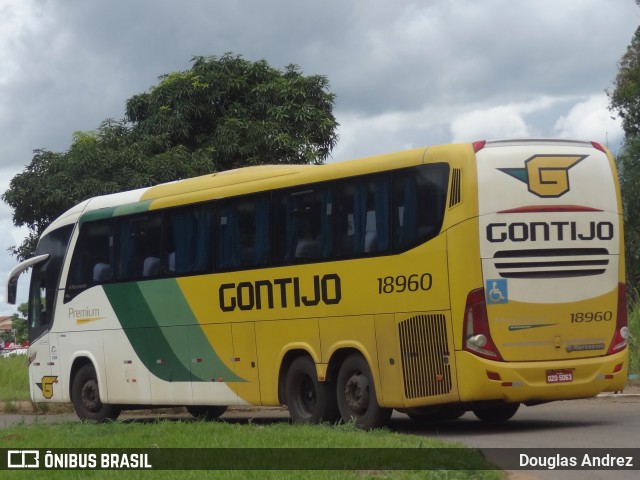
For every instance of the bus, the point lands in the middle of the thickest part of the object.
(435, 281)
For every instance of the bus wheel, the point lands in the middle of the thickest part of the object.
(435, 414)
(206, 412)
(357, 398)
(309, 400)
(496, 413)
(85, 396)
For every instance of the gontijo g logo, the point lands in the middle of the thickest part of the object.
(546, 175)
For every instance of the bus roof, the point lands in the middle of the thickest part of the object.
(239, 181)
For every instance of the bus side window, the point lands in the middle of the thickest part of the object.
(188, 240)
(419, 196)
(243, 232)
(93, 257)
(363, 216)
(139, 247)
(303, 224)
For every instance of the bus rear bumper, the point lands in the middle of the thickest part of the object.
(480, 379)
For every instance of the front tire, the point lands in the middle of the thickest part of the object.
(309, 400)
(85, 395)
(357, 398)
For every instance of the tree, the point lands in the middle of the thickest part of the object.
(625, 98)
(625, 101)
(222, 113)
(628, 162)
(19, 323)
(241, 112)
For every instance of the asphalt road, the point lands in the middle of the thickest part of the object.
(598, 423)
(608, 421)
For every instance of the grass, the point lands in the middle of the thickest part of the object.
(14, 378)
(462, 463)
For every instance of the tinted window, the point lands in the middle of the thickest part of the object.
(243, 232)
(419, 196)
(303, 224)
(188, 240)
(362, 215)
(140, 247)
(45, 278)
(93, 258)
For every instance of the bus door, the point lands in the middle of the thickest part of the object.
(46, 265)
(43, 350)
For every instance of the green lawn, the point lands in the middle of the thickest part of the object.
(14, 378)
(243, 442)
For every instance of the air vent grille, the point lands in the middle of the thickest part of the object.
(456, 194)
(425, 356)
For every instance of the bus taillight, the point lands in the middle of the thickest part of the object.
(621, 334)
(479, 145)
(477, 337)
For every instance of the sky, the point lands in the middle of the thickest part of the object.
(405, 73)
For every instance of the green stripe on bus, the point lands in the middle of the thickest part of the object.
(129, 208)
(164, 332)
(108, 212)
(100, 214)
(169, 307)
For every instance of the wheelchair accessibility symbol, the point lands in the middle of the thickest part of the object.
(496, 291)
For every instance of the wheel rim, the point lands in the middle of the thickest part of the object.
(90, 395)
(357, 393)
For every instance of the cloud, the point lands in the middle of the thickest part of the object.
(591, 120)
(365, 135)
(497, 122)
(501, 121)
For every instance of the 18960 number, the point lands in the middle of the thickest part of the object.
(403, 283)
(585, 317)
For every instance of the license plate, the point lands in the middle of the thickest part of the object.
(559, 376)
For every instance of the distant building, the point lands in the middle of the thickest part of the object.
(5, 326)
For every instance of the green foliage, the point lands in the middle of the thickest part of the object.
(223, 113)
(628, 162)
(624, 98)
(19, 323)
(625, 101)
(240, 112)
(19, 326)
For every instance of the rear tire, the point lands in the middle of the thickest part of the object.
(85, 395)
(357, 398)
(435, 414)
(309, 400)
(206, 412)
(496, 413)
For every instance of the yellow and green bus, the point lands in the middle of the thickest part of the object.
(435, 281)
